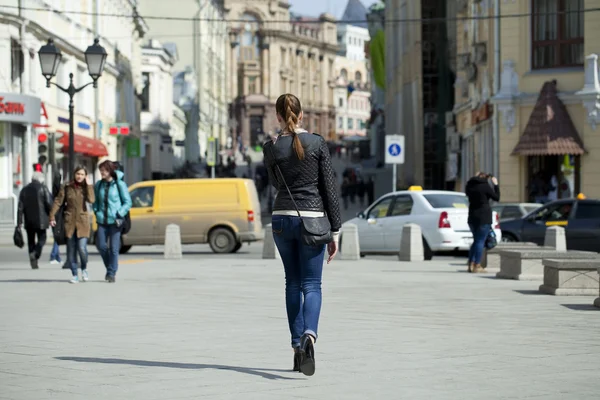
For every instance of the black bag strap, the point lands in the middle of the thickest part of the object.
(283, 179)
(120, 194)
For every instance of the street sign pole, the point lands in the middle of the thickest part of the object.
(395, 178)
(211, 156)
(394, 155)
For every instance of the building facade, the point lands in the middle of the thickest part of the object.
(203, 47)
(352, 97)
(472, 140)
(161, 118)
(375, 53)
(352, 91)
(24, 31)
(548, 98)
(270, 56)
(419, 78)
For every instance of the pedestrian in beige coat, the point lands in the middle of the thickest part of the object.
(75, 195)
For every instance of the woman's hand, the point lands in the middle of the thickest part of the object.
(494, 180)
(53, 223)
(332, 249)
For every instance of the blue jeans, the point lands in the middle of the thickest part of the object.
(55, 254)
(303, 267)
(77, 245)
(480, 233)
(110, 256)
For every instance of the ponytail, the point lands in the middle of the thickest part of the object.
(291, 122)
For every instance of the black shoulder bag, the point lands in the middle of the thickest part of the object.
(59, 230)
(315, 231)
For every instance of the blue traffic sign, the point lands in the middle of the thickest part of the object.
(394, 149)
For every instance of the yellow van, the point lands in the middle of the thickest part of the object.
(221, 212)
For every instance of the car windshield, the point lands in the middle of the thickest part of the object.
(530, 209)
(450, 200)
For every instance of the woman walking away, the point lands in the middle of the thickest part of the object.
(111, 207)
(306, 220)
(480, 191)
(75, 195)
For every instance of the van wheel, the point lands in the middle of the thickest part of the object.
(237, 247)
(222, 240)
(427, 253)
(124, 249)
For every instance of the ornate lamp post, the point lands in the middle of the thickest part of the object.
(95, 58)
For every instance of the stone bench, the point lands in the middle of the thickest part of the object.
(491, 258)
(571, 277)
(526, 264)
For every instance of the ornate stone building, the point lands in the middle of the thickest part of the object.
(273, 52)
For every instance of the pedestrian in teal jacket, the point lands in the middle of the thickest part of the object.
(112, 204)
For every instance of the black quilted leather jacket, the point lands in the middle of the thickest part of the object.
(311, 181)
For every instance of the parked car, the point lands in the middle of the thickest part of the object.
(514, 210)
(222, 212)
(580, 218)
(442, 216)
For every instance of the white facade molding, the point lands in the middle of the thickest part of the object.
(590, 94)
(509, 95)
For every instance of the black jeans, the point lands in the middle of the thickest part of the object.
(34, 247)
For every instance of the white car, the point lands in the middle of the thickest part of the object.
(442, 216)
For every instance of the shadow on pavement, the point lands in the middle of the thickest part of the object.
(262, 372)
(531, 292)
(581, 307)
(33, 280)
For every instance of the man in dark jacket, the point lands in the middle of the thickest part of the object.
(56, 185)
(480, 192)
(35, 202)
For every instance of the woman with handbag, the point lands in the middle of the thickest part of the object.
(480, 190)
(72, 201)
(306, 220)
(111, 207)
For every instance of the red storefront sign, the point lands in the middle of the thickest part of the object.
(11, 107)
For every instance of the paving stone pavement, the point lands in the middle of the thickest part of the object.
(216, 329)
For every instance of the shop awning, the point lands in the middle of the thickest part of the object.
(84, 145)
(550, 130)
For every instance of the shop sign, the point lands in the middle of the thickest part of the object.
(119, 129)
(19, 108)
(133, 147)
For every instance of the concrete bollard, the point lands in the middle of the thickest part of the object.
(350, 248)
(411, 244)
(597, 301)
(270, 251)
(555, 238)
(173, 242)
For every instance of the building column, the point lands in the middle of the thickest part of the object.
(233, 90)
(266, 66)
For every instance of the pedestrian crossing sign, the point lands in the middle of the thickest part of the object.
(394, 149)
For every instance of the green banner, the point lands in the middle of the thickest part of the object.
(377, 47)
(133, 147)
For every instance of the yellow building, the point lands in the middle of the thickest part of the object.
(547, 101)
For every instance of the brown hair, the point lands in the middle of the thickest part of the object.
(84, 184)
(288, 108)
(108, 166)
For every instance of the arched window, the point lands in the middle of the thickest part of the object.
(358, 77)
(344, 74)
(249, 43)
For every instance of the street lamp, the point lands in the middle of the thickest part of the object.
(50, 57)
